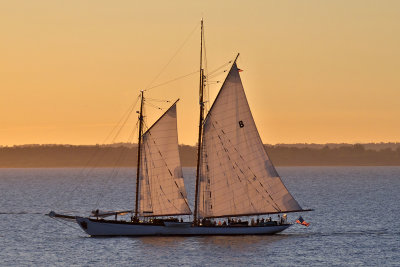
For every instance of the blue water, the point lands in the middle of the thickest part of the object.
(355, 222)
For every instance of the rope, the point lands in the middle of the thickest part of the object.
(157, 100)
(123, 119)
(237, 165)
(116, 170)
(206, 84)
(154, 106)
(69, 225)
(173, 80)
(147, 148)
(220, 67)
(174, 55)
(215, 74)
(166, 165)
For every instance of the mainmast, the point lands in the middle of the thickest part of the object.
(201, 102)
(139, 154)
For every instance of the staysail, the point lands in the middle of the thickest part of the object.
(162, 191)
(237, 177)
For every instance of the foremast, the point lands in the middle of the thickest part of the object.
(139, 154)
(201, 103)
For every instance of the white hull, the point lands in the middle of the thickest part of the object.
(112, 228)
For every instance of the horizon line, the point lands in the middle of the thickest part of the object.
(129, 143)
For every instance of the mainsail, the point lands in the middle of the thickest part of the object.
(237, 177)
(162, 191)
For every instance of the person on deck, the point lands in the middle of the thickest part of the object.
(284, 218)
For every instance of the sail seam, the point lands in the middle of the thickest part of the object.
(166, 165)
(225, 150)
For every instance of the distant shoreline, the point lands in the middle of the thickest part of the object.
(124, 155)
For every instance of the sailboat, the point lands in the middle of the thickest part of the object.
(235, 177)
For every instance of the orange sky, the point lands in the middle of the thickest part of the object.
(314, 71)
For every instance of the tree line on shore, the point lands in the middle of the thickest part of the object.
(42, 156)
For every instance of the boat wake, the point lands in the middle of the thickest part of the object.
(360, 233)
(346, 233)
(19, 212)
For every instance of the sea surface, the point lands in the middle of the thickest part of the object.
(356, 221)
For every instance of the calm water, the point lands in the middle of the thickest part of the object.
(355, 222)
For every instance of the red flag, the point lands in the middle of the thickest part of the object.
(239, 70)
(301, 221)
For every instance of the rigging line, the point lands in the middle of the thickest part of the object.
(157, 100)
(69, 225)
(127, 113)
(212, 82)
(145, 198)
(145, 127)
(177, 51)
(166, 165)
(121, 126)
(269, 195)
(227, 153)
(154, 106)
(124, 118)
(240, 180)
(273, 166)
(215, 74)
(207, 198)
(94, 155)
(220, 67)
(147, 154)
(247, 179)
(155, 201)
(205, 84)
(125, 121)
(116, 169)
(121, 156)
(173, 80)
(96, 152)
(150, 186)
(226, 173)
(274, 203)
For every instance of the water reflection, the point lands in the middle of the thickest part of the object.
(231, 242)
(162, 241)
(240, 242)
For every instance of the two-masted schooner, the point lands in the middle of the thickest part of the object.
(235, 177)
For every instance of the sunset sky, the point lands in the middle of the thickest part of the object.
(314, 71)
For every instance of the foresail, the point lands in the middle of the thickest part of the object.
(162, 190)
(237, 177)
